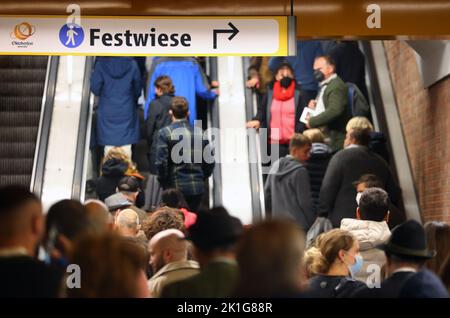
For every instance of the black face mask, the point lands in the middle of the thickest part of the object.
(285, 82)
(318, 76)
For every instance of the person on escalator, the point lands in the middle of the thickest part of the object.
(287, 190)
(117, 83)
(158, 116)
(116, 165)
(280, 112)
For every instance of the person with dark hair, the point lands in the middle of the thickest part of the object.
(214, 236)
(287, 190)
(158, 116)
(21, 228)
(370, 229)
(131, 188)
(331, 105)
(188, 79)
(406, 252)
(366, 181)
(302, 63)
(173, 198)
(66, 221)
(111, 267)
(279, 111)
(337, 195)
(438, 238)
(265, 246)
(186, 168)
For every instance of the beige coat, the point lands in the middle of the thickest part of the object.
(170, 273)
(369, 234)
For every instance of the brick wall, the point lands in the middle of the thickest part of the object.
(425, 119)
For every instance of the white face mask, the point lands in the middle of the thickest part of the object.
(358, 197)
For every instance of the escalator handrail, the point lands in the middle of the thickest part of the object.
(215, 123)
(254, 162)
(40, 153)
(83, 138)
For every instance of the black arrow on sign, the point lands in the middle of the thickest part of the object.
(233, 32)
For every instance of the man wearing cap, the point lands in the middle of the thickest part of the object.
(130, 187)
(406, 252)
(214, 236)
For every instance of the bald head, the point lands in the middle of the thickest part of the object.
(166, 247)
(98, 215)
(127, 222)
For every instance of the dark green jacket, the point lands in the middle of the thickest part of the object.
(336, 114)
(217, 280)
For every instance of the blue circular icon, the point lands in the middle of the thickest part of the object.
(71, 35)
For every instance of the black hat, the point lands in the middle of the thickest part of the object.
(408, 239)
(215, 229)
(129, 184)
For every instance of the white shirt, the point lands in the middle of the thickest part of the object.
(405, 269)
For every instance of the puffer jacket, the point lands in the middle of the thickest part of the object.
(369, 235)
(317, 166)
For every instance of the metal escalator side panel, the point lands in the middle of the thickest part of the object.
(45, 120)
(84, 135)
(257, 190)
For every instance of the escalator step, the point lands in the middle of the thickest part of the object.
(17, 150)
(18, 134)
(20, 103)
(16, 166)
(27, 119)
(22, 89)
(21, 179)
(22, 75)
(23, 61)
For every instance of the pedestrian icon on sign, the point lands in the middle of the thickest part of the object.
(71, 35)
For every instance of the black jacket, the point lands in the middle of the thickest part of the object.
(323, 286)
(423, 284)
(157, 117)
(317, 166)
(112, 171)
(337, 195)
(22, 276)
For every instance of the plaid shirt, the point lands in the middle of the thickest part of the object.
(179, 158)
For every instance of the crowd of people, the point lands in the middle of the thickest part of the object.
(87, 251)
(335, 223)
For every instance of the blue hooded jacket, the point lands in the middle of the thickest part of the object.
(187, 78)
(117, 82)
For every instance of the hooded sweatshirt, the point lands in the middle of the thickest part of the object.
(112, 171)
(117, 82)
(369, 234)
(287, 192)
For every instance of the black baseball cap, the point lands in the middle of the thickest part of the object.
(129, 184)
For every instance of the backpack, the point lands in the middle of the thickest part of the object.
(357, 102)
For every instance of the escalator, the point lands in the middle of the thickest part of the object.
(22, 86)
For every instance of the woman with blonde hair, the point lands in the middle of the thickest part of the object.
(115, 166)
(378, 141)
(335, 261)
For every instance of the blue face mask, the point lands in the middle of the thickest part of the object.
(356, 266)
